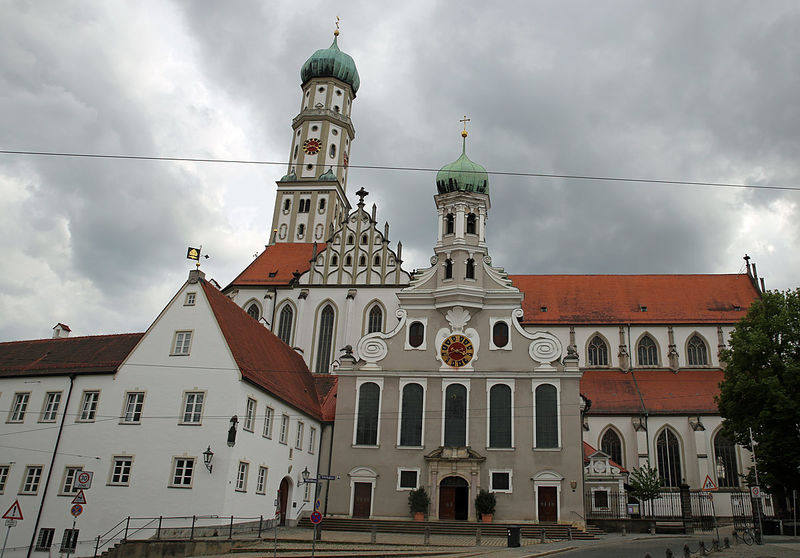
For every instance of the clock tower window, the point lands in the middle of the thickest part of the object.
(470, 269)
(471, 228)
(448, 269)
(450, 221)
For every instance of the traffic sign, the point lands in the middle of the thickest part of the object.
(708, 485)
(327, 477)
(755, 492)
(76, 510)
(84, 479)
(316, 518)
(317, 505)
(14, 512)
(11, 522)
(310, 480)
(80, 498)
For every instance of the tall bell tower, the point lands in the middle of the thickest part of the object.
(310, 201)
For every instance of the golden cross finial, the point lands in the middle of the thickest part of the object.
(337, 27)
(464, 131)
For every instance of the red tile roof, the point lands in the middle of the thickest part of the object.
(96, 354)
(282, 260)
(327, 387)
(662, 391)
(262, 358)
(612, 299)
(588, 451)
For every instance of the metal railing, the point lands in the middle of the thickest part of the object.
(182, 527)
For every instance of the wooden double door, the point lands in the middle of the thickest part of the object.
(548, 504)
(454, 499)
(362, 499)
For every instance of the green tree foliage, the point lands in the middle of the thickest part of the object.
(418, 500)
(761, 389)
(644, 482)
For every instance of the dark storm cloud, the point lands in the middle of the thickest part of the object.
(681, 90)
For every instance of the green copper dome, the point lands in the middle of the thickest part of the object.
(462, 175)
(331, 62)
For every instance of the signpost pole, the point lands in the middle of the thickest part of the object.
(276, 521)
(72, 534)
(5, 541)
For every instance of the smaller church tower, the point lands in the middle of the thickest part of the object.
(310, 202)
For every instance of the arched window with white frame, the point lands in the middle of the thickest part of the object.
(696, 351)
(597, 352)
(611, 444)
(369, 395)
(455, 416)
(325, 339)
(285, 319)
(411, 415)
(254, 311)
(375, 319)
(725, 461)
(500, 416)
(546, 411)
(668, 456)
(647, 352)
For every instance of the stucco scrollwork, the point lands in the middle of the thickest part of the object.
(545, 347)
(372, 348)
(434, 260)
(487, 260)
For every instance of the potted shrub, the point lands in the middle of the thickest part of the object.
(485, 503)
(418, 503)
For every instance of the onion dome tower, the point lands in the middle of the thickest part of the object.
(463, 174)
(311, 202)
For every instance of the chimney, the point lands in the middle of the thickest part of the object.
(61, 331)
(195, 275)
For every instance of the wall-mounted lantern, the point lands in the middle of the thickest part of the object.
(232, 431)
(208, 455)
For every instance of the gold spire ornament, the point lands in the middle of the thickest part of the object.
(464, 131)
(336, 33)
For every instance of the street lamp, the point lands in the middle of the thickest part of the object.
(305, 474)
(208, 455)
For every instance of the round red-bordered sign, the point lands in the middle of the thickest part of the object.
(316, 518)
(76, 510)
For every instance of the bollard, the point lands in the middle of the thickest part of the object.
(260, 521)
(726, 542)
(427, 535)
(543, 536)
(478, 536)
(669, 553)
(703, 548)
(624, 531)
(373, 535)
(686, 552)
(230, 530)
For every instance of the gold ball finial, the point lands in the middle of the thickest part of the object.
(464, 131)
(336, 32)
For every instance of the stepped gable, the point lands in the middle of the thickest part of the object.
(614, 299)
(96, 354)
(588, 451)
(276, 264)
(327, 387)
(663, 391)
(262, 358)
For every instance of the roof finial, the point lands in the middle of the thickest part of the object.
(464, 131)
(336, 33)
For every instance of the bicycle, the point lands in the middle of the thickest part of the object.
(748, 536)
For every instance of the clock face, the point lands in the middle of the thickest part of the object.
(457, 350)
(312, 146)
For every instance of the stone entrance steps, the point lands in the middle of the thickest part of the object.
(454, 528)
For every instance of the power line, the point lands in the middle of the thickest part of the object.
(406, 169)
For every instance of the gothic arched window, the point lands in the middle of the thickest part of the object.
(287, 203)
(324, 340)
(375, 322)
(471, 223)
(725, 462)
(322, 204)
(697, 352)
(376, 261)
(546, 416)
(411, 416)
(253, 311)
(350, 239)
(647, 351)
(449, 224)
(364, 239)
(455, 416)
(470, 269)
(500, 416)
(448, 268)
(334, 259)
(668, 453)
(285, 324)
(500, 334)
(598, 352)
(362, 261)
(612, 445)
(367, 426)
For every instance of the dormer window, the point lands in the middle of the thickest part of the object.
(642, 308)
(543, 308)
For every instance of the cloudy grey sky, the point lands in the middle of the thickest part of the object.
(681, 90)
